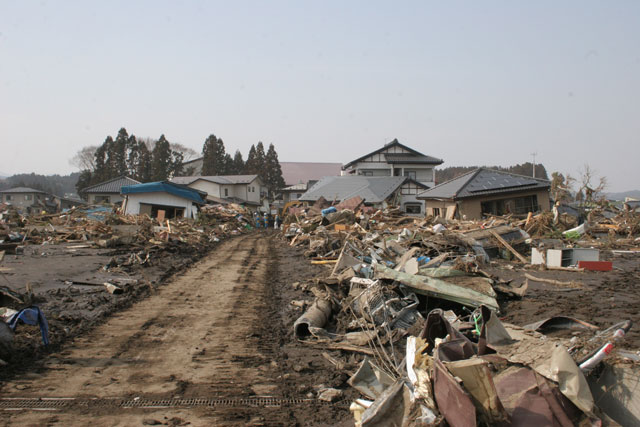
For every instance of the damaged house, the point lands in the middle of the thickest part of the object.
(108, 191)
(177, 201)
(376, 191)
(487, 192)
(245, 190)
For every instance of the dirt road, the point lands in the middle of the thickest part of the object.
(203, 350)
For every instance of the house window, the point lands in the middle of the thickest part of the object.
(410, 174)
(7, 197)
(524, 205)
(226, 192)
(436, 211)
(413, 208)
(367, 173)
(28, 196)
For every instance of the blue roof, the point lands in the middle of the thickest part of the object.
(166, 187)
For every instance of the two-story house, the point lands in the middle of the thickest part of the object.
(395, 159)
(248, 190)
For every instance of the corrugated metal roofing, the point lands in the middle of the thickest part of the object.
(166, 187)
(112, 186)
(481, 182)
(338, 188)
(22, 190)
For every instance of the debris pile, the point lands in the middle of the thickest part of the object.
(410, 309)
(140, 251)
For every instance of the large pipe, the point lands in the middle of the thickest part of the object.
(316, 316)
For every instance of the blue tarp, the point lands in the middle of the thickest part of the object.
(31, 316)
(166, 187)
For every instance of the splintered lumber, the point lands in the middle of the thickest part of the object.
(325, 261)
(438, 288)
(112, 289)
(508, 246)
(554, 282)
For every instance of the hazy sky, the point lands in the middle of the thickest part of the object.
(474, 82)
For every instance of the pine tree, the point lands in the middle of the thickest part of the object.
(261, 159)
(227, 165)
(143, 167)
(273, 171)
(213, 154)
(251, 167)
(238, 163)
(118, 154)
(164, 161)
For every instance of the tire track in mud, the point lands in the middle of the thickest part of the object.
(209, 333)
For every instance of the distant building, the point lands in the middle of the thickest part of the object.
(395, 159)
(176, 201)
(487, 192)
(24, 199)
(295, 173)
(247, 190)
(108, 191)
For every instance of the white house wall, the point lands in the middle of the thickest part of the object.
(160, 198)
(211, 188)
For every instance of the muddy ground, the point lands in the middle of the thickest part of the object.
(215, 323)
(607, 298)
(220, 330)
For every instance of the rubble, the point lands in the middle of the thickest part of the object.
(389, 278)
(141, 252)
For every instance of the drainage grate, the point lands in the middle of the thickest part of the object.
(55, 404)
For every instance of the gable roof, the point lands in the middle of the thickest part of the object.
(413, 154)
(22, 190)
(166, 187)
(112, 186)
(483, 181)
(218, 179)
(373, 189)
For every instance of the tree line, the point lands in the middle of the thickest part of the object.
(525, 169)
(148, 160)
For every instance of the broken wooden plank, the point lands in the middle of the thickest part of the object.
(508, 246)
(554, 282)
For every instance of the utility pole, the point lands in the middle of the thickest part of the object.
(534, 163)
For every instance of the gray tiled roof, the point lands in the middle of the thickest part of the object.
(112, 186)
(395, 143)
(338, 188)
(218, 179)
(481, 182)
(411, 158)
(22, 190)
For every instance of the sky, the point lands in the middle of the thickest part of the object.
(473, 83)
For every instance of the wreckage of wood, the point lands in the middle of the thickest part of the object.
(438, 288)
(554, 282)
(508, 246)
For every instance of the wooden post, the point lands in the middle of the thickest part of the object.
(508, 246)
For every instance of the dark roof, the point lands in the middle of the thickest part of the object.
(22, 190)
(112, 186)
(373, 189)
(218, 179)
(483, 181)
(303, 172)
(166, 187)
(396, 143)
(393, 158)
